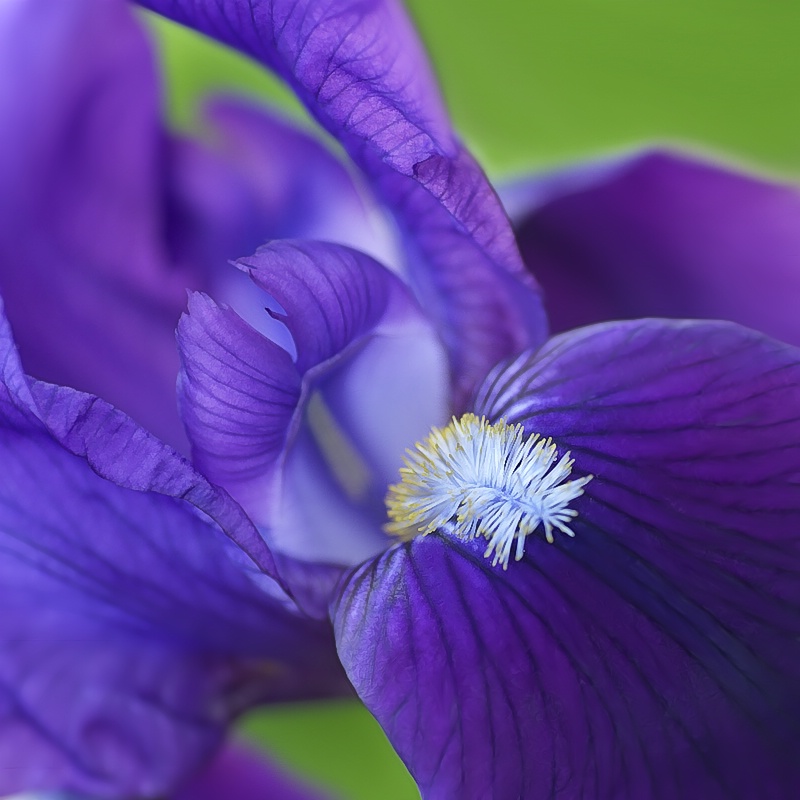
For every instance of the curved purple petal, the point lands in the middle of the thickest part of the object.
(107, 219)
(242, 773)
(464, 265)
(355, 327)
(241, 402)
(309, 446)
(656, 653)
(265, 178)
(239, 392)
(360, 69)
(358, 65)
(133, 629)
(662, 234)
(331, 296)
(87, 286)
(301, 189)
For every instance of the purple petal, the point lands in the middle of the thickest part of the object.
(309, 447)
(331, 296)
(241, 773)
(265, 179)
(300, 188)
(360, 69)
(211, 213)
(238, 391)
(662, 235)
(241, 402)
(133, 629)
(107, 219)
(656, 653)
(464, 265)
(354, 326)
(87, 287)
(359, 66)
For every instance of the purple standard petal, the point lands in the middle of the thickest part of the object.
(308, 445)
(264, 179)
(360, 69)
(663, 235)
(301, 189)
(240, 773)
(133, 630)
(238, 393)
(107, 219)
(655, 653)
(86, 282)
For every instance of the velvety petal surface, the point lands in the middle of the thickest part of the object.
(87, 283)
(262, 177)
(308, 444)
(242, 773)
(241, 402)
(362, 343)
(238, 392)
(662, 234)
(655, 654)
(361, 71)
(301, 189)
(133, 629)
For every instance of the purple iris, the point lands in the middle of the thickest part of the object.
(586, 580)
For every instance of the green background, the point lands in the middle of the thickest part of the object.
(531, 84)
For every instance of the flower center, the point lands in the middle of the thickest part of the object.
(473, 478)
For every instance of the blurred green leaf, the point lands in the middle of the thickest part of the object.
(337, 744)
(550, 80)
(533, 82)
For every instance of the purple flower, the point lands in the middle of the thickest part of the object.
(652, 644)
(133, 629)
(584, 585)
(650, 649)
(108, 217)
(239, 772)
(235, 771)
(661, 235)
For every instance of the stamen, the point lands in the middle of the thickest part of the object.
(473, 478)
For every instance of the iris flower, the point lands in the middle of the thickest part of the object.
(583, 579)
